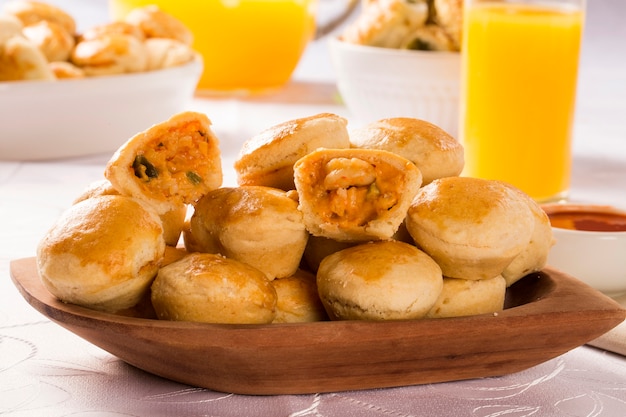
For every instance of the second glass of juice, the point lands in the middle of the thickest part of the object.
(519, 76)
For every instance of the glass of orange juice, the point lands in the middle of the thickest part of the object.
(248, 46)
(519, 76)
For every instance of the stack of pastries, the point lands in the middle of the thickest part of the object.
(40, 41)
(325, 224)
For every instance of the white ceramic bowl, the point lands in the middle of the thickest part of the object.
(69, 118)
(376, 83)
(597, 258)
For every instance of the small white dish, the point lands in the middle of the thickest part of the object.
(596, 257)
(78, 117)
(377, 83)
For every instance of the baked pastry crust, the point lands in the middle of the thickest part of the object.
(534, 256)
(155, 23)
(31, 12)
(464, 297)
(260, 226)
(167, 53)
(102, 253)
(52, 39)
(353, 195)
(386, 23)
(210, 288)
(172, 163)
(268, 158)
(297, 299)
(386, 280)
(9, 27)
(20, 59)
(472, 227)
(435, 152)
(110, 54)
(66, 70)
(449, 16)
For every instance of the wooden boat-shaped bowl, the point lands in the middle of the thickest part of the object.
(547, 314)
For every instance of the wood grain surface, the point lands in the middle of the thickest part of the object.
(546, 315)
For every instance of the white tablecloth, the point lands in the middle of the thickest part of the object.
(47, 371)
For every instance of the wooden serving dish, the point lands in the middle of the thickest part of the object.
(546, 315)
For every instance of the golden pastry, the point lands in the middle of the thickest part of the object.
(116, 27)
(433, 150)
(355, 195)
(386, 23)
(449, 15)
(31, 12)
(464, 297)
(260, 226)
(20, 59)
(155, 23)
(268, 158)
(171, 163)
(386, 280)
(172, 220)
(65, 70)
(534, 256)
(429, 38)
(9, 26)
(209, 288)
(102, 253)
(167, 53)
(52, 39)
(297, 300)
(110, 54)
(472, 227)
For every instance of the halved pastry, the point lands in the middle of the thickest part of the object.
(268, 158)
(353, 195)
(172, 163)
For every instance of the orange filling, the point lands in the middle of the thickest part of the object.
(353, 192)
(176, 164)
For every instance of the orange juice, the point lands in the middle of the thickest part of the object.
(520, 65)
(247, 45)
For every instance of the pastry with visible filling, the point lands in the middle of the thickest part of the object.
(172, 163)
(210, 288)
(102, 253)
(386, 280)
(472, 227)
(354, 195)
(297, 300)
(433, 150)
(465, 297)
(268, 158)
(260, 226)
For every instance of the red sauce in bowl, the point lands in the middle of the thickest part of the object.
(586, 218)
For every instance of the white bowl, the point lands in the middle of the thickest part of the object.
(597, 258)
(78, 117)
(377, 83)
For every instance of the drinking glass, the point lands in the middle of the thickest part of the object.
(518, 91)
